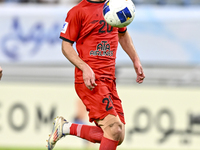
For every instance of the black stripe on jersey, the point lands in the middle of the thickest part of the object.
(95, 1)
(67, 40)
(123, 31)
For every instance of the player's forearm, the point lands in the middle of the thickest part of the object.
(127, 45)
(69, 52)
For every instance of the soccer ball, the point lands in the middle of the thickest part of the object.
(119, 13)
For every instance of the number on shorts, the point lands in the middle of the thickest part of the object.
(108, 102)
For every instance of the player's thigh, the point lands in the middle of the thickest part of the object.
(117, 103)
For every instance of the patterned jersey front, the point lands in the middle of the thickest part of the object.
(96, 41)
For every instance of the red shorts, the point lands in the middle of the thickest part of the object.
(102, 100)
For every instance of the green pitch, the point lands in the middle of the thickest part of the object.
(39, 149)
(4, 148)
(36, 149)
(46, 149)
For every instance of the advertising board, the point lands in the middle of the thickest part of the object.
(160, 117)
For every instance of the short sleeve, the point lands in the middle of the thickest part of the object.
(71, 27)
(122, 30)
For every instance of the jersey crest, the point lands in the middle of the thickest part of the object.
(64, 29)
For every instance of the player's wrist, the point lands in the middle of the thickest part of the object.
(84, 67)
(135, 60)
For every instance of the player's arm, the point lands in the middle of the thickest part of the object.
(127, 45)
(1, 72)
(88, 74)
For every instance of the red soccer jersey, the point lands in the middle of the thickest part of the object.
(96, 41)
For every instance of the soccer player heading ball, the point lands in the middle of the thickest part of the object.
(96, 44)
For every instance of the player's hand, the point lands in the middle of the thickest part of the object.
(89, 78)
(1, 72)
(139, 72)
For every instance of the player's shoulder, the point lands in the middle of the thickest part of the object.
(78, 8)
